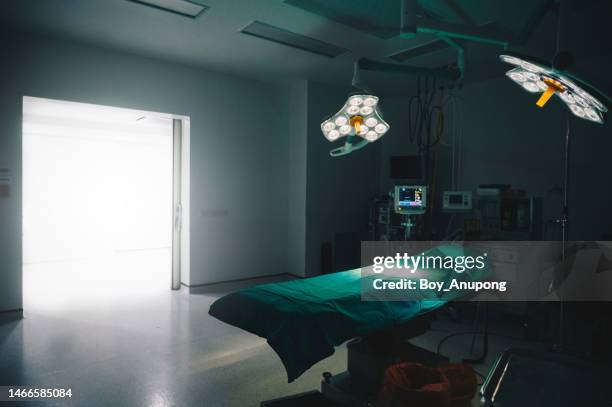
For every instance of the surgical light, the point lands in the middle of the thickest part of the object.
(359, 117)
(536, 77)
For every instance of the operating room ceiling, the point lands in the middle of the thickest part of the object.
(365, 28)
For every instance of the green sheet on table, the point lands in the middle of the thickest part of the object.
(303, 320)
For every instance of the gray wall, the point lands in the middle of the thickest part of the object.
(238, 149)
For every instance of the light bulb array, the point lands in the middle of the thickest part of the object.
(358, 117)
(536, 78)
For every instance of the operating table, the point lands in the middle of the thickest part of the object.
(303, 320)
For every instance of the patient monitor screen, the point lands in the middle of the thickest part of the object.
(410, 199)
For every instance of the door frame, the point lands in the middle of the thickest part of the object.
(180, 205)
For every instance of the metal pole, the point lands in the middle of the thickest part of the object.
(565, 212)
(485, 335)
(564, 220)
(408, 19)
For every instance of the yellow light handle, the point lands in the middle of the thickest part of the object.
(546, 96)
(356, 122)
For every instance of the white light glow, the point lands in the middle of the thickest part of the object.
(370, 101)
(581, 92)
(340, 121)
(530, 87)
(517, 76)
(344, 130)
(511, 60)
(577, 110)
(371, 122)
(531, 76)
(592, 114)
(333, 135)
(352, 110)
(567, 97)
(542, 85)
(363, 130)
(371, 136)
(355, 101)
(97, 202)
(581, 101)
(380, 128)
(366, 110)
(596, 103)
(528, 66)
(127, 278)
(328, 126)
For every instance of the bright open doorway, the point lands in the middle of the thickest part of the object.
(101, 203)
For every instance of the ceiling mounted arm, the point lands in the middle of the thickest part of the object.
(408, 21)
(540, 10)
(356, 82)
(412, 24)
(457, 46)
(485, 33)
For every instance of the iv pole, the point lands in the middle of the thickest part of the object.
(563, 220)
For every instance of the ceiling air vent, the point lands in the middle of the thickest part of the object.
(291, 39)
(185, 8)
(380, 18)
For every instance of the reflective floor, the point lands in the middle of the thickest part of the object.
(162, 349)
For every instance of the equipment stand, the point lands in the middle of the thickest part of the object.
(408, 225)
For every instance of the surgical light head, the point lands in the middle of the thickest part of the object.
(359, 119)
(537, 78)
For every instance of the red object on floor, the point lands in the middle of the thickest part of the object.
(413, 384)
(463, 382)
